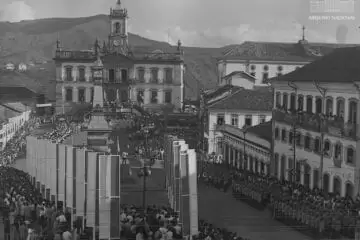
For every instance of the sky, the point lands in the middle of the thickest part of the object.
(204, 23)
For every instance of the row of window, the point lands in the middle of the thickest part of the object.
(12, 128)
(113, 73)
(306, 104)
(154, 93)
(80, 97)
(154, 75)
(235, 119)
(314, 144)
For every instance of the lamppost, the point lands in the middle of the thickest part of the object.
(145, 171)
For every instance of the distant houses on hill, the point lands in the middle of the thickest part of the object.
(21, 67)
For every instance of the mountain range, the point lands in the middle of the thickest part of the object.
(35, 41)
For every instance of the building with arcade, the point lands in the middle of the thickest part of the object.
(315, 123)
(151, 77)
(249, 148)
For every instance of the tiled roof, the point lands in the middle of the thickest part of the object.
(16, 79)
(241, 74)
(260, 99)
(263, 130)
(342, 65)
(277, 51)
(17, 106)
(219, 93)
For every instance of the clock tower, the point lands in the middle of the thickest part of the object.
(118, 29)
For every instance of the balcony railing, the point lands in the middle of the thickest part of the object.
(317, 122)
(68, 79)
(81, 79)
(154, 80)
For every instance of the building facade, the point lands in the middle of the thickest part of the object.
(150, 77)
(316, 114)
(265, 60)
(10, 127)
(238, 107)
(248, 149)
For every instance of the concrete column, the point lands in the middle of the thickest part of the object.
(161, 96)
(346, 110)
(314, 104)
(343, 188)
(87, 94)
(229, 155)
(248, 162)
(302, 172)
(311, 182)
(304, 103)
(334, 106)
(75, 94)
(146, 96)
(63, 93)
(259, 167)
(286, 169)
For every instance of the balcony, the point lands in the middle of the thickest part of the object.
(317, 123)
(68, 79)
(154, 80)
(117, 81)
(81, 79)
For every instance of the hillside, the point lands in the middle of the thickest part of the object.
(35, 40)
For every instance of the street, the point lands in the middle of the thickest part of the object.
(222, 210)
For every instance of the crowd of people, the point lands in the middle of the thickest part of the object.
(313, 211)
(16, 146)
(26, 214)
(61, 130)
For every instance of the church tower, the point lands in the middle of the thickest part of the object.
(118, 37)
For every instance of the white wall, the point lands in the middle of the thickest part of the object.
(8, 130)
(241, 122)
(240, 65)
(238, 81)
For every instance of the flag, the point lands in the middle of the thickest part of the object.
(118, 145)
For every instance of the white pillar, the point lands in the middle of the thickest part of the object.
(302, 172)
(161, 96)
(63, 93)
(75, 95)
(334, 110)
(87, 94)
(147, 96)
(346, 110)
(313, 104)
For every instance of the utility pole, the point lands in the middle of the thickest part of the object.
(322, 91)
(293, 171)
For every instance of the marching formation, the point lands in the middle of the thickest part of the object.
(312, 212)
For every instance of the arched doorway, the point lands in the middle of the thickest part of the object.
(282, 170)
(349, 189)
(337, 185)
(307, 170)
(326, 182)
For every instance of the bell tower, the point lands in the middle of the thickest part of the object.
(118, 29)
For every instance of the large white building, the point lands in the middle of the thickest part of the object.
(235, 106)
(153, 77)
(265, 60)
(315, 123)
(248, 148)
(12, 117)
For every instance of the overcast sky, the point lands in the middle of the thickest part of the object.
(201, 22)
